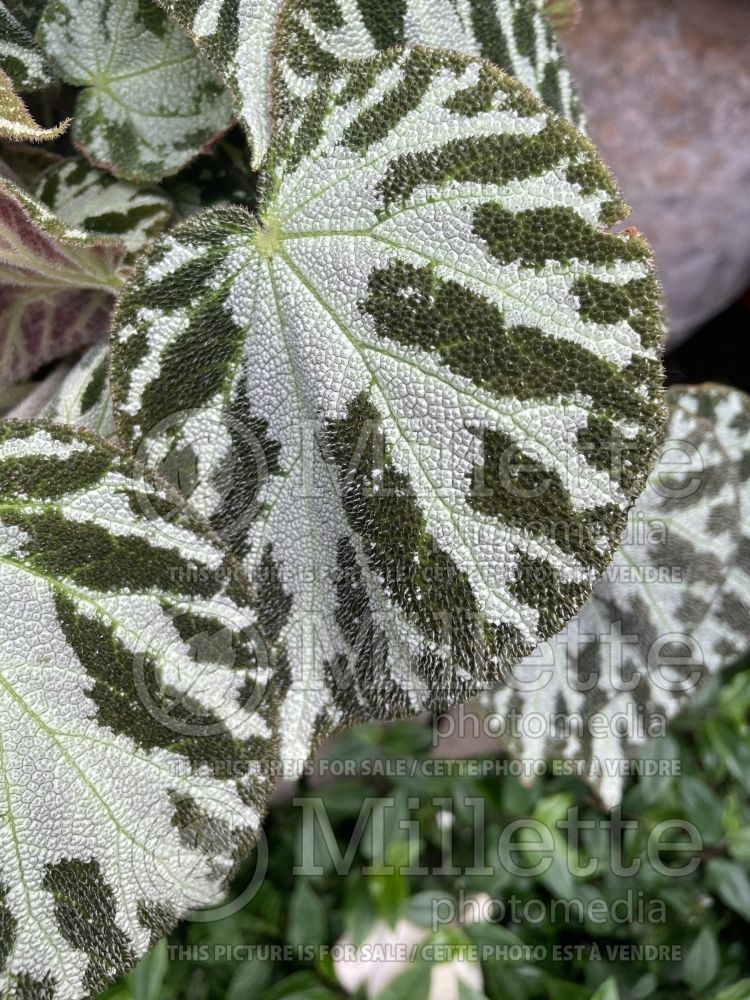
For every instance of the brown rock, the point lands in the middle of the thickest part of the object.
(666, 87)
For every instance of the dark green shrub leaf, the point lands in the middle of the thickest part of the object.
(730, 882)
(701, 963)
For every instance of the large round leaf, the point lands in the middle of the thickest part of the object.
(418, 396)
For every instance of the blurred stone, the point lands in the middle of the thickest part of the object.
(666, 88)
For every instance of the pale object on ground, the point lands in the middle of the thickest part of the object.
(665, 85)
(387, 952)
(355, 971)
(448, 976)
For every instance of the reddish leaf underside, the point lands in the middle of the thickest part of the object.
(57, 285)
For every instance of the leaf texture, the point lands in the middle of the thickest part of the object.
(20, 56)
(429, 290)
(672, 608)
(248, 39)
(83, 197)
(56, 285)
(150, 102)
(136, 714)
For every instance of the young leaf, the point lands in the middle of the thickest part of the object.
(305, 39)
(20, 57)
(83, 399)
(15, 121)
(672, 608)
(56, 285)
(428, 290)
(83, 197)
(150, 103)
(136, 714)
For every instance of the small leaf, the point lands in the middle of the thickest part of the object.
(250, 40)
(701, 962)
(702, 807)
(739, 844)
(347, 386)
(56, 285)
(607, 991)
(83, 197)
(20, 57)
(250, 980)
(150, 103)
(730, 881)
(37, 395)
(738, 991)
(134, 678)
(75, 393)
(15, 121)
(307, 921)
(671, 609)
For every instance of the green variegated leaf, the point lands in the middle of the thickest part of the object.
(20, 57)
(136, 714)
(150, 102)
(56, 285)
(86, 198)
(429, 290)
(83, 399)
(15, 121)
(673, 607)
(248, 40)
